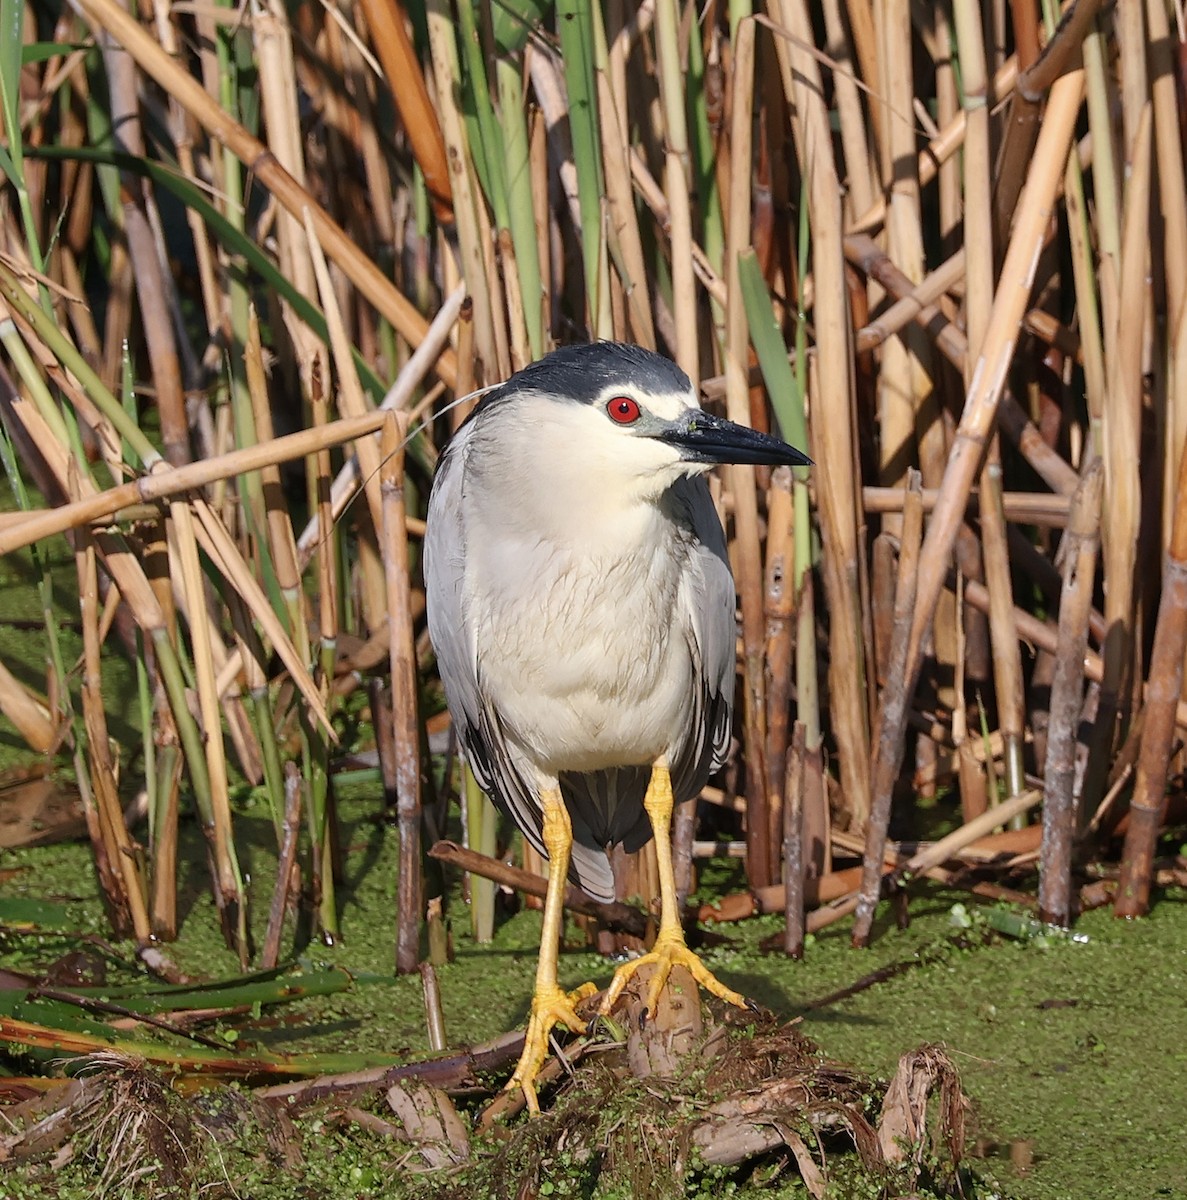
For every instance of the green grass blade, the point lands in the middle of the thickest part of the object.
(513, 22)
(192, 1060)
(575, 22)
(519, 193)
(12, 24)
(39, 52)
(704, 165)
(486, 137)
(30, 916)
(787, 397)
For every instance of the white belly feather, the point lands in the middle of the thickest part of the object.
(619, 692)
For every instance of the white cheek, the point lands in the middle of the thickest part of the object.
(636, 455)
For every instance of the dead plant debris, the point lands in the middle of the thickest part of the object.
(742, 1102)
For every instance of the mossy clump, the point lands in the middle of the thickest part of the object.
(754, 1109)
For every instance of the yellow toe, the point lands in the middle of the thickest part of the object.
(670, 950)
(550, 1006)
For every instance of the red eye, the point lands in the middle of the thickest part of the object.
(624, 410)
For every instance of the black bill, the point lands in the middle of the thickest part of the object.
(702, 437)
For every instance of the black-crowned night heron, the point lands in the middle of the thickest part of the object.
(582, 609)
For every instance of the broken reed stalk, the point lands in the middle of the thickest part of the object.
(684, 829)
(780, 610)
(1067, 689)
(123, 882)
(793, 846)
(891, 711)
(162, 850)
(405, 690)
(1003, 630)
(287, 886)
(434, 1013)
(315, 749)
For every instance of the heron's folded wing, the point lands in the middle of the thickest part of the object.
(445, 572)
(707, 600)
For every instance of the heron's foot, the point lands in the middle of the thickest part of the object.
(550, 1006)
(670, 950)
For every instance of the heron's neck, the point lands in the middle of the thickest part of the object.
(593, 517)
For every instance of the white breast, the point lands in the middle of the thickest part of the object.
(585, 656)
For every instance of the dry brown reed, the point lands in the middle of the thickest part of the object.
(951, 255)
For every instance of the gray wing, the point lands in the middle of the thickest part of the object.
(708, 600)
(444, 574)
(500, 769)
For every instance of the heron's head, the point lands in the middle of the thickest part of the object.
(618, 415)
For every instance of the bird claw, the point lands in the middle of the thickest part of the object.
(669, 951)
(550, 1006)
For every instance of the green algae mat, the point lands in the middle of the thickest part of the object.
(1070, 1051)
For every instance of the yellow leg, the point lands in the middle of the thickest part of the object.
(670, 948)
(550, 1005)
